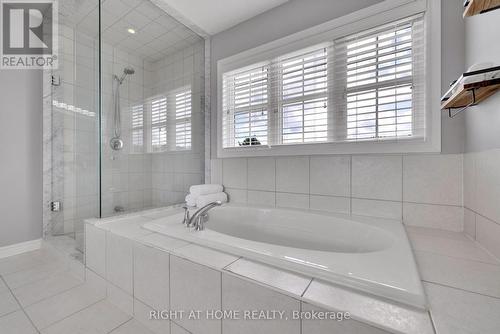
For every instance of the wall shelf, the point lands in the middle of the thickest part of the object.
(464, 94)
(474, 7)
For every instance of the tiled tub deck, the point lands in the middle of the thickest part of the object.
(146, 271)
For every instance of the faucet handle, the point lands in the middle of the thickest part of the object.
(185, 221)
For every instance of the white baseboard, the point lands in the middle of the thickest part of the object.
(20, 248)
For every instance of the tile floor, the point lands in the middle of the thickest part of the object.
(45, 292)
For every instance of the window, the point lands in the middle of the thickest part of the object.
(246, 107)
(183, 119)
(381, 69)
(367, 86)
(137, 113)
(159, 123)
(304, 97)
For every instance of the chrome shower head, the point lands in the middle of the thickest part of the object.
(126, 71)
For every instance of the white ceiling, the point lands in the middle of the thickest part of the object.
(218, 15)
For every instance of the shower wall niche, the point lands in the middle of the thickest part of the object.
(160, 123)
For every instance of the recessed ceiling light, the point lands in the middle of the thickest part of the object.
(131, 30)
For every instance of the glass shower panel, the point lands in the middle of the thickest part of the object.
(72, 106)
(152, 146)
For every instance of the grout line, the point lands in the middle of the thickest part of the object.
(72, 314)
(21, 308)
(307, 287)
(460, 289)
(225, 267)
(120, 325)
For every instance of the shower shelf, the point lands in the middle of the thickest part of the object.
(474, 7)
(462, 95)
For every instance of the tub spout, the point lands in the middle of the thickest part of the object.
(201, 216)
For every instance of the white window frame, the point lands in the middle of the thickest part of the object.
(364, 19)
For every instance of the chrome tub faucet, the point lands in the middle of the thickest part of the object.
(200, 217)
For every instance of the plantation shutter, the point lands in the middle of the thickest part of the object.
(183, 119)
(303, 99)
(381, 73)
(159, 123)
(137, 114)
(245, 107)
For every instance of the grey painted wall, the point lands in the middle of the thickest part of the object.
(21, 156)
(297, 15)
(483, 120)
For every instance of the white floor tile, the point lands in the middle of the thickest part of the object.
(176, 329)
(468, 275)
(8, 303)
(17, 323)
(132, 327)
(3, 287)
(120, 299)
(100, 318)
(142, 314)
(33, 274)
(58, 307)
(34, 292)
(455, 311)
(24, 261)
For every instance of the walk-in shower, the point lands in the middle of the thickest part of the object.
(124, 129)
(116, 142)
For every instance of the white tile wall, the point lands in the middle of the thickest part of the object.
(481, 198)
(331, 176)
(195, 287)
(151, 276)
(235, 173)
(292, 175)
(377, 177)
(423, 190)
(435, 179)
(119, 261)
(334, 326)
(261, 174)
(95, 249)
(238, 294)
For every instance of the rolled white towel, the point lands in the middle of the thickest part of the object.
(205, 189)
(191, 200)
(205, 199)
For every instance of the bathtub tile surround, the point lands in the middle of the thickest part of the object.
(239, 294)
(293, 283)
(196, 273)
(482, 193)
(422, 189)
(195, 287)
(461, 281)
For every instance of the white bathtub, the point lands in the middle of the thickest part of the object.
(367, 254)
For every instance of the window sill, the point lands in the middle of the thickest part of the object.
(378, 147)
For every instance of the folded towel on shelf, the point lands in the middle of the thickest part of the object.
(203, 200)
(191, 200)
(205, 189)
